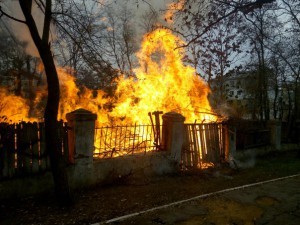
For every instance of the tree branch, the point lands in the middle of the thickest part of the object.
(26, 9)
(47, 21)
(2, 13)
(294, 16)
(237, 8)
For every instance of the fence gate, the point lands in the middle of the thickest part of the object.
(204, 144)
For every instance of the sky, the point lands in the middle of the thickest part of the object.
(139, 8)
(18, 29)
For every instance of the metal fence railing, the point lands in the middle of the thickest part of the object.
(113, 141)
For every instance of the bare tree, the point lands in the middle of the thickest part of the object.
(259, 29)
(217, 53)
(195, 13)
(287, 47)
(120, 37)
(149, 21)
(43, 45)
(209, 30)
(87, 45)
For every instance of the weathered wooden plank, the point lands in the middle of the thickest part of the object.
(210, 142)
(35, 147)
(7, 151)
(19, 148)
(26, 145)
(215, 137)
(202, 143)
(189, 156)
(195, 146)
(23, 151)
(11, 151)
(44, 159)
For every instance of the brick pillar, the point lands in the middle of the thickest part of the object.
(173, 134)
(275, 133)
(81, 133)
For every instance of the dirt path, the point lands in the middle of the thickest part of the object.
(102, 203)
(276, 202)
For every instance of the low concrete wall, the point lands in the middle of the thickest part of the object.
(100, 171)
(84, 170)
(138, 165)
(112, 169)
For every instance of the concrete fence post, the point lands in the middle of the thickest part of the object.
(298, 131)
(275, 133)
(81, 133)
(173, 134)
(230, 140)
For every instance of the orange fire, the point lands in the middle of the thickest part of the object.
(72, 98)
(13, 108)
(162, 83)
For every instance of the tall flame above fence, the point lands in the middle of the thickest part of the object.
(162, 82)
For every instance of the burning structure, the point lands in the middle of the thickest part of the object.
(162, 82)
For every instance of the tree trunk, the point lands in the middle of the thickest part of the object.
(53, 147)
(58, 164)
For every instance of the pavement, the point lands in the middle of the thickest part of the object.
(274, 202)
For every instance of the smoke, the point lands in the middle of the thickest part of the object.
(243, 161)
(142, 12)
(21, 32)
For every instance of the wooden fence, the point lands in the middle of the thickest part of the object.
(250, 133)
(22, 149)
(204, 144)
(252, 138)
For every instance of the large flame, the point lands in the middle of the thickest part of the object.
(12, 108)
(172, 8)
(162, 83)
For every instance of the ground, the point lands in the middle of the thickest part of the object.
(267, 203)
(133, 194)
